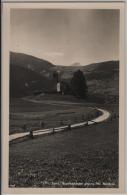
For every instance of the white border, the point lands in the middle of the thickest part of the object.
(5, 93)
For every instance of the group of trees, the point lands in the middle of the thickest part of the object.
(76, 86)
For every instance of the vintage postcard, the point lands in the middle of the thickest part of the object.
(63, 92)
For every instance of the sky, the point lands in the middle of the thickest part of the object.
(66, 36)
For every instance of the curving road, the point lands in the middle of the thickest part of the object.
(104, 116)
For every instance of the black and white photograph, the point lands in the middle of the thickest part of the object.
(64, 98)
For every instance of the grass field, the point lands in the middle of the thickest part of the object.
(84, 157)
(52, 113)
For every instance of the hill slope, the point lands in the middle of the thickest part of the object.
(38, 65)
(24, 81)
(102, 78)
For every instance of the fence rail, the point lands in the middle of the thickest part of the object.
(104, 116)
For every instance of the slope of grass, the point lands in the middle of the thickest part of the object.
(29, 61)
(52, 113)
(86, 157)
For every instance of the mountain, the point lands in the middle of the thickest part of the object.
(102, 70)
(35, 64)
(102, 78)
(75, 64)
(24, 81)
(29, 74)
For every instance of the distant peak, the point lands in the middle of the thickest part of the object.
(76, 64)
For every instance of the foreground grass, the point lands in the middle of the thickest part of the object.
(85, 157)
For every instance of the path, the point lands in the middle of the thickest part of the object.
(104, 116)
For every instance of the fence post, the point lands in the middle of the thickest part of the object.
(69, 127)
(31, 134)
(53, 130)
(87, 123)
(42, 124)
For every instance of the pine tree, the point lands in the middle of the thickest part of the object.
(79, 85)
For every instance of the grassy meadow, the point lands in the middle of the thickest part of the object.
(84, 157)
(58, 112)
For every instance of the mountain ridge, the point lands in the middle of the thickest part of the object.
(101, 77)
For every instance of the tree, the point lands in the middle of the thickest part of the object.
(65, 88)
(78, 84)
